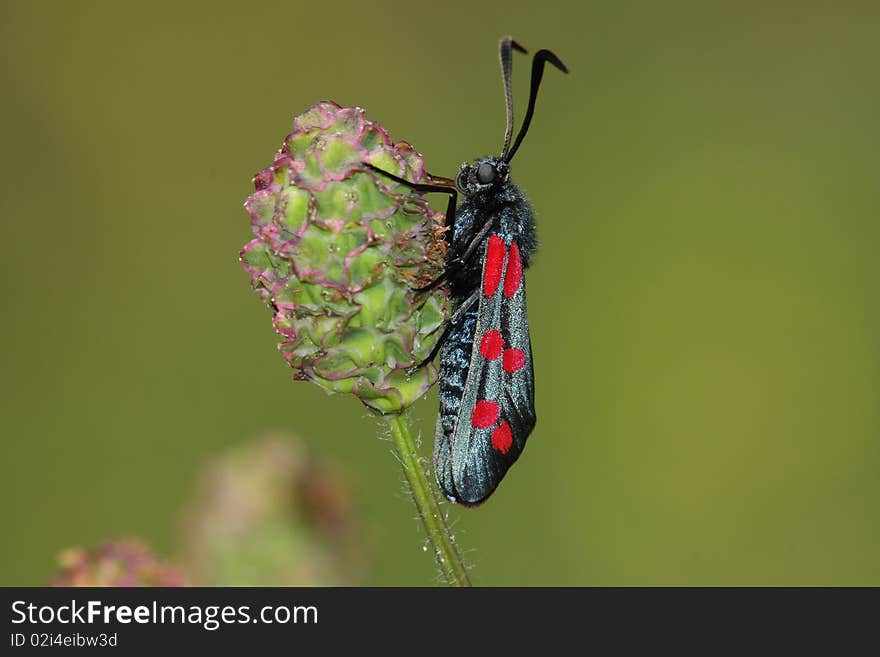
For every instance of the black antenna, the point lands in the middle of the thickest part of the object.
(541, 57)
(505, 54)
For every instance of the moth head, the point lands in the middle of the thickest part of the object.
(482, 175)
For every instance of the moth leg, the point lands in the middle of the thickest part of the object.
(458, 261)
(429, 187)
(464, 307)
(472, 247)
(456, 317)
(450, 217)
(436, 350)
(439, 180)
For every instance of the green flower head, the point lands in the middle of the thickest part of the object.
(338, 249)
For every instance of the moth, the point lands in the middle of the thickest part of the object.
(487, 380)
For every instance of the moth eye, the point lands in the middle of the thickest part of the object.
(485, 173)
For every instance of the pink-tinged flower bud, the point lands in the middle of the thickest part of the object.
(124, 562)
(337, 250)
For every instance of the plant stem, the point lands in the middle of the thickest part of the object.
(425, 498)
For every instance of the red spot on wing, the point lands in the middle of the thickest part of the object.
(502, 438)
(485, 414)
(513, 277)
(491, 344)
(513, 360)
(494, 265)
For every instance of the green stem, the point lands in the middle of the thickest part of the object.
(425, 499)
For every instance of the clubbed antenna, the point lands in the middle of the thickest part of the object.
(541, 57)
(505, 52)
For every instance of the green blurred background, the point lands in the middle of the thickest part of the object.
(705, 319)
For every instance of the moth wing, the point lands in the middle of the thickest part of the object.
(497, 411)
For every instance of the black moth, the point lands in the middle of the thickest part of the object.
(487, 383)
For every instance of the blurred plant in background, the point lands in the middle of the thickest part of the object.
(125, 562)
(265, 513)
(268, 514)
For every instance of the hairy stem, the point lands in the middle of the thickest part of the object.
(425, 498)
